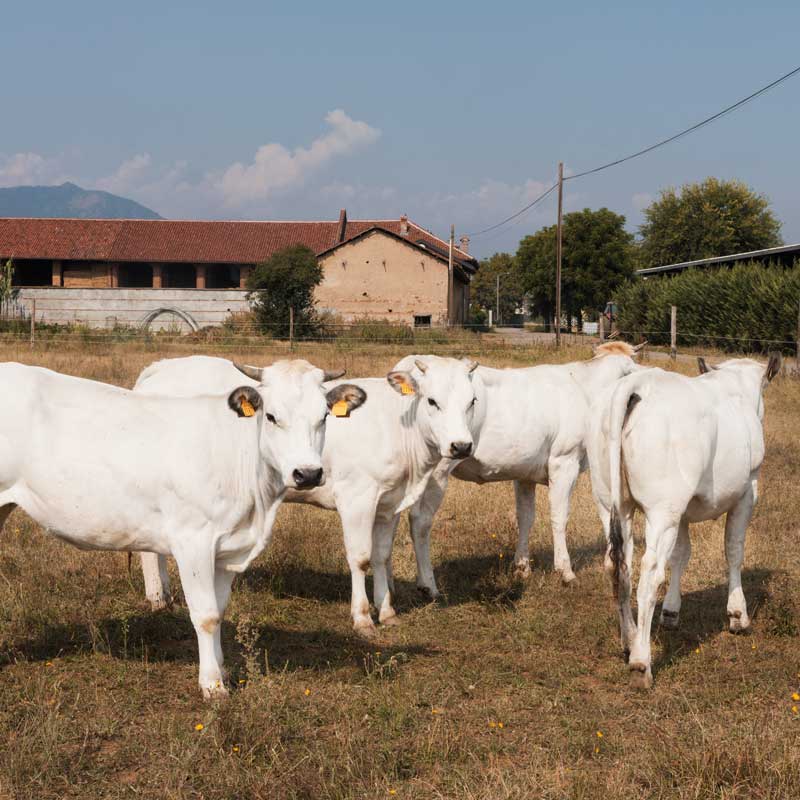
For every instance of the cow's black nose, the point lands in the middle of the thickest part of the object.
(460, 449)
(307, 477)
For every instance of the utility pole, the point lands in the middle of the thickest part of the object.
(558, 251)
(450, 276)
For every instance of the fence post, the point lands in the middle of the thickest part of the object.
(33, 322)
(673, 333)
(601, 328)
(291, 329)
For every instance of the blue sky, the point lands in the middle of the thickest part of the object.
(448, 112)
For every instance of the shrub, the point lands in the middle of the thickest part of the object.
(745, 308)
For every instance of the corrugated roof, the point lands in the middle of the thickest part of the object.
(192, 241)
(733, 257)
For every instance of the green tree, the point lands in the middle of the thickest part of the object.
(712, 218)
(483, 289)
(7, 281)
(597, 258)
(286, 280)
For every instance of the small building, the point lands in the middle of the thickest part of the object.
(108, 272)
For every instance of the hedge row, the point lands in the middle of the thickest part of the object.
(745, 308)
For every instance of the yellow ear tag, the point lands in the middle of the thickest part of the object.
(406, 388)
(340, 408)
(247, 409)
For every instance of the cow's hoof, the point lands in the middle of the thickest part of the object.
(738, 621)
(158, 603)
(428, 593)
(641, 677)
(522, 571)
(669, 619)
(216, 691)
(567, 577)
(365, 629)
(392, 620)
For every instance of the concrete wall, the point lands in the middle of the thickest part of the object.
(105, 308)
(378, 276)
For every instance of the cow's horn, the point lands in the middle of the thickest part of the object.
(470, 364)
(638, 347)
(421, 366)
(251, 372)
(333, 374)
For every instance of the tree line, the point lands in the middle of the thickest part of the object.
(599, 258)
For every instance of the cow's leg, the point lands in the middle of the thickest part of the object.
(156, 580)
(627, 625)
(736, 522)
(563, 473)
(525, 498)
(661, 533)
(358, 518)
(204, 591)
(382, 541)
(671, 607)
(420, 522)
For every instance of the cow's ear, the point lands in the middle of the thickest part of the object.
(469, 364)
(402, 382)
(245, 401)
(345, 397)
(773, 366)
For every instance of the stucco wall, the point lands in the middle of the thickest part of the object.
(105, 308)
(378, 276)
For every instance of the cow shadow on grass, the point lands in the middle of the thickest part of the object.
(464, 579)
(168, 636)
(704, 614)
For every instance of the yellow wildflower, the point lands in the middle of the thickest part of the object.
(499, 724)
(392, 791)
(492, 724)
(796, 697)
(236, 748)
(307, 692)
(794, 709)
(199, 726)
(599, 734)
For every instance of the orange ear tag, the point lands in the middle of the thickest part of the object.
(406, 388)
(340, 408)
(247, 408)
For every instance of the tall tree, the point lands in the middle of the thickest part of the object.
(711, 218)
(597, 258)
(286, 280)
(484, 287)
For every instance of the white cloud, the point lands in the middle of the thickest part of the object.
(276, 167)
(127, 176)
(24, 169)
(641, 200)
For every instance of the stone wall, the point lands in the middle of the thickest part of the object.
(105, 308)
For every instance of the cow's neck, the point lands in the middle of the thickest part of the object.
(598, 373)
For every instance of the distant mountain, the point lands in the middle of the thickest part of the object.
(69, 200)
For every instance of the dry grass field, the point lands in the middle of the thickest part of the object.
(502, 690)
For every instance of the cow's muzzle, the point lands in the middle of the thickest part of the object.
(460, 449)
(307, 477)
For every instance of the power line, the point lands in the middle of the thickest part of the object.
(649, 149)
(514, 216)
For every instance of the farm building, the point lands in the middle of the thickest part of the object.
(785, 254)
(106, 272)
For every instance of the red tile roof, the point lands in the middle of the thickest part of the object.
(196, 241)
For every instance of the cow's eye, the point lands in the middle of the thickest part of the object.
(474, 400)
(432, 402)
(271, 418)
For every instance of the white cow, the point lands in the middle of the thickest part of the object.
(377, 463)
(690, 449)
(532, 432)
(197, 478)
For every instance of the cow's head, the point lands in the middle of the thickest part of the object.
(446, 399)
(293, 406)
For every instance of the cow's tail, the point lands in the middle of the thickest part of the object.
(622, 402)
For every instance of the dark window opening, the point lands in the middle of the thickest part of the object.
(178, 276)
(222, 276)
(135, 276)
(422, 320)
(32, 273)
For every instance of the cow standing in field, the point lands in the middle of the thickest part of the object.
(197, 478)
(377, 463)
(533, 423)
(682, 450)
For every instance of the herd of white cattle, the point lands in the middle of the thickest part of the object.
(195, 461)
